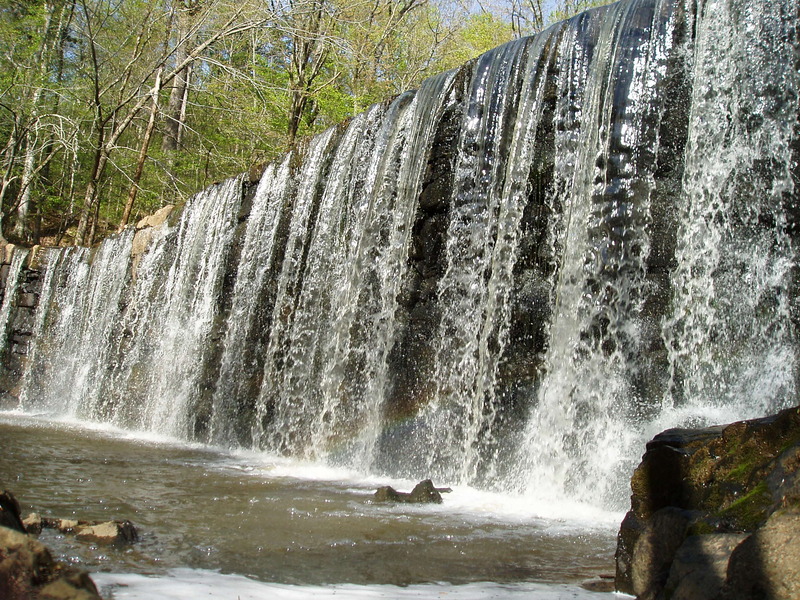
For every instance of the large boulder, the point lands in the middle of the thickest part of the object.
(157, 218)
(700, 566)
(710, 506)
(655, 549)
(767, 563)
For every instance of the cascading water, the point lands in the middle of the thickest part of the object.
(242, 344)
(461, 412)
(310, 390)
(188, 307)
(9, 294)
(510, 278)
(46, 383)
(730, 337)
(587, 412)
(125, 349)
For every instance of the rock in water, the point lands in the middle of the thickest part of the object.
(110, 532)
(387, 493)
(33, 523)
(104, 532)
(27, 570)
(655, 549)
(423, 493)
(9, 512)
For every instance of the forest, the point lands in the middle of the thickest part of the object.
(110, 109)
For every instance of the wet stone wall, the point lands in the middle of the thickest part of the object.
(20, 286)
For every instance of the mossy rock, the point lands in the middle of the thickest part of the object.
(750, 510)
(729, 478)
(722, 470)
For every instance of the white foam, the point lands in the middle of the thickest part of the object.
(463, 501)
(108, 430)
(189, 584)
(523, 508)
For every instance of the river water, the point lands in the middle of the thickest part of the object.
(219, 524)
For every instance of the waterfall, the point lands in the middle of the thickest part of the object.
(453, 422)
(730, 335)
(12, 279)
(243, 343)
(586, 415)
(509, 278)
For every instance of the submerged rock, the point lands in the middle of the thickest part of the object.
(423, 493)
(715, 514)
(602, 584)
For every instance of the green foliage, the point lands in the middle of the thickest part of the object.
(480, 33)
(77, 79)
(570, 8)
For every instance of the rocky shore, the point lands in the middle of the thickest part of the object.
(28, 570)
(715, 514)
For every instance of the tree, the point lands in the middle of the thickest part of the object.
(481, 32)
(146, 138)
(31, 35)
(183, 20)
(109, 107)
(119, 95)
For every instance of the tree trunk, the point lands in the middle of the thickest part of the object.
(92, 197)
(137, 175)
(173, 122)
(296, 110)
(51, 26)
(179, 92)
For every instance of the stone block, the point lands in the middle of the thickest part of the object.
(27, 300)
(157, 218)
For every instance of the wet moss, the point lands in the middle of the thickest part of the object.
(701, 527)
(750, 510)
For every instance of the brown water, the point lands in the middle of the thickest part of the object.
(204, 508)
